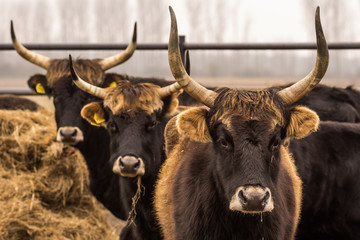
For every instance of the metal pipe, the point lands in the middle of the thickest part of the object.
(188, 46)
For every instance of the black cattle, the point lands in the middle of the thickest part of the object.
(135, 115)
(68, 100)
(328, 162)
(229, 174)
(12, 102)
(333, 103)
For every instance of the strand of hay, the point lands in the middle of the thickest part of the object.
(44, 190)
(135, 199)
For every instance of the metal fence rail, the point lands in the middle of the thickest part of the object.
(187, 46)
(164, 46)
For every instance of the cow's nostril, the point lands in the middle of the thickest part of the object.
(74, 133)
(121, 164)
(266, 197)
(242, 197)
(137, 165)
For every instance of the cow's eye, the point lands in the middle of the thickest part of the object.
(224, 144)
(152, 124)
(112, 127)
(275, 144)
(276, 139)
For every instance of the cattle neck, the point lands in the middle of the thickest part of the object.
(95, 147)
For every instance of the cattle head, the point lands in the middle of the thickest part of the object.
(135, 116)
(67, 98)
(247, 131)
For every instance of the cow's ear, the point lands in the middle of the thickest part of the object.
(38, 83)
(94, 113)
(303, 121)
(171, 103)
(192, 123)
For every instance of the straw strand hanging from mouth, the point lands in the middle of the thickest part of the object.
(135, 199)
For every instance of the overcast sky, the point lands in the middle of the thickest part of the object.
(202, 21)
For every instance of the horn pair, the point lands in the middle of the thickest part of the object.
(101, 92)
(44, 62)
(288, 95)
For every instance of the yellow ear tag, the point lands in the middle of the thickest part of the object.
(94, 124)
(39, 88)
(113, 84)
(97, 119)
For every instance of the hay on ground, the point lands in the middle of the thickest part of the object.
(44, 191)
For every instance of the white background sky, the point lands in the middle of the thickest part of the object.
(202, 21)
(262, 20)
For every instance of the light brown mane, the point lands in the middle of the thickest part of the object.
(254, 104)
(131, 98)
(87, 69)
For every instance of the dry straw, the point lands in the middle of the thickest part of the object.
(134, 200)
(44, 184)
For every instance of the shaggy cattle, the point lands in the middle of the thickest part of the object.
(135, 115)
(229, 174)
(11, 102)
(68, 101)
(328, 162)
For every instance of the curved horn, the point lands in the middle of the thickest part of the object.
(107, 63)
(299, 89)
(168, 90)
(193, 88)
(87, 87)
(32, 57)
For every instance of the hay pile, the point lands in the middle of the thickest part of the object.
(44, 184)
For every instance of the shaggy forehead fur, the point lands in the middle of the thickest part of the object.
(131, 98)
(248, 105)
(87, 69)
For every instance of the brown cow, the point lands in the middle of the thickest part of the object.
(229, 174)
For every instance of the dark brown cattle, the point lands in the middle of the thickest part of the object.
(135, 115)
(68, 101)
(229, 174)
(328, 162)
(11, 102)
(57, 83)
(332, 103)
